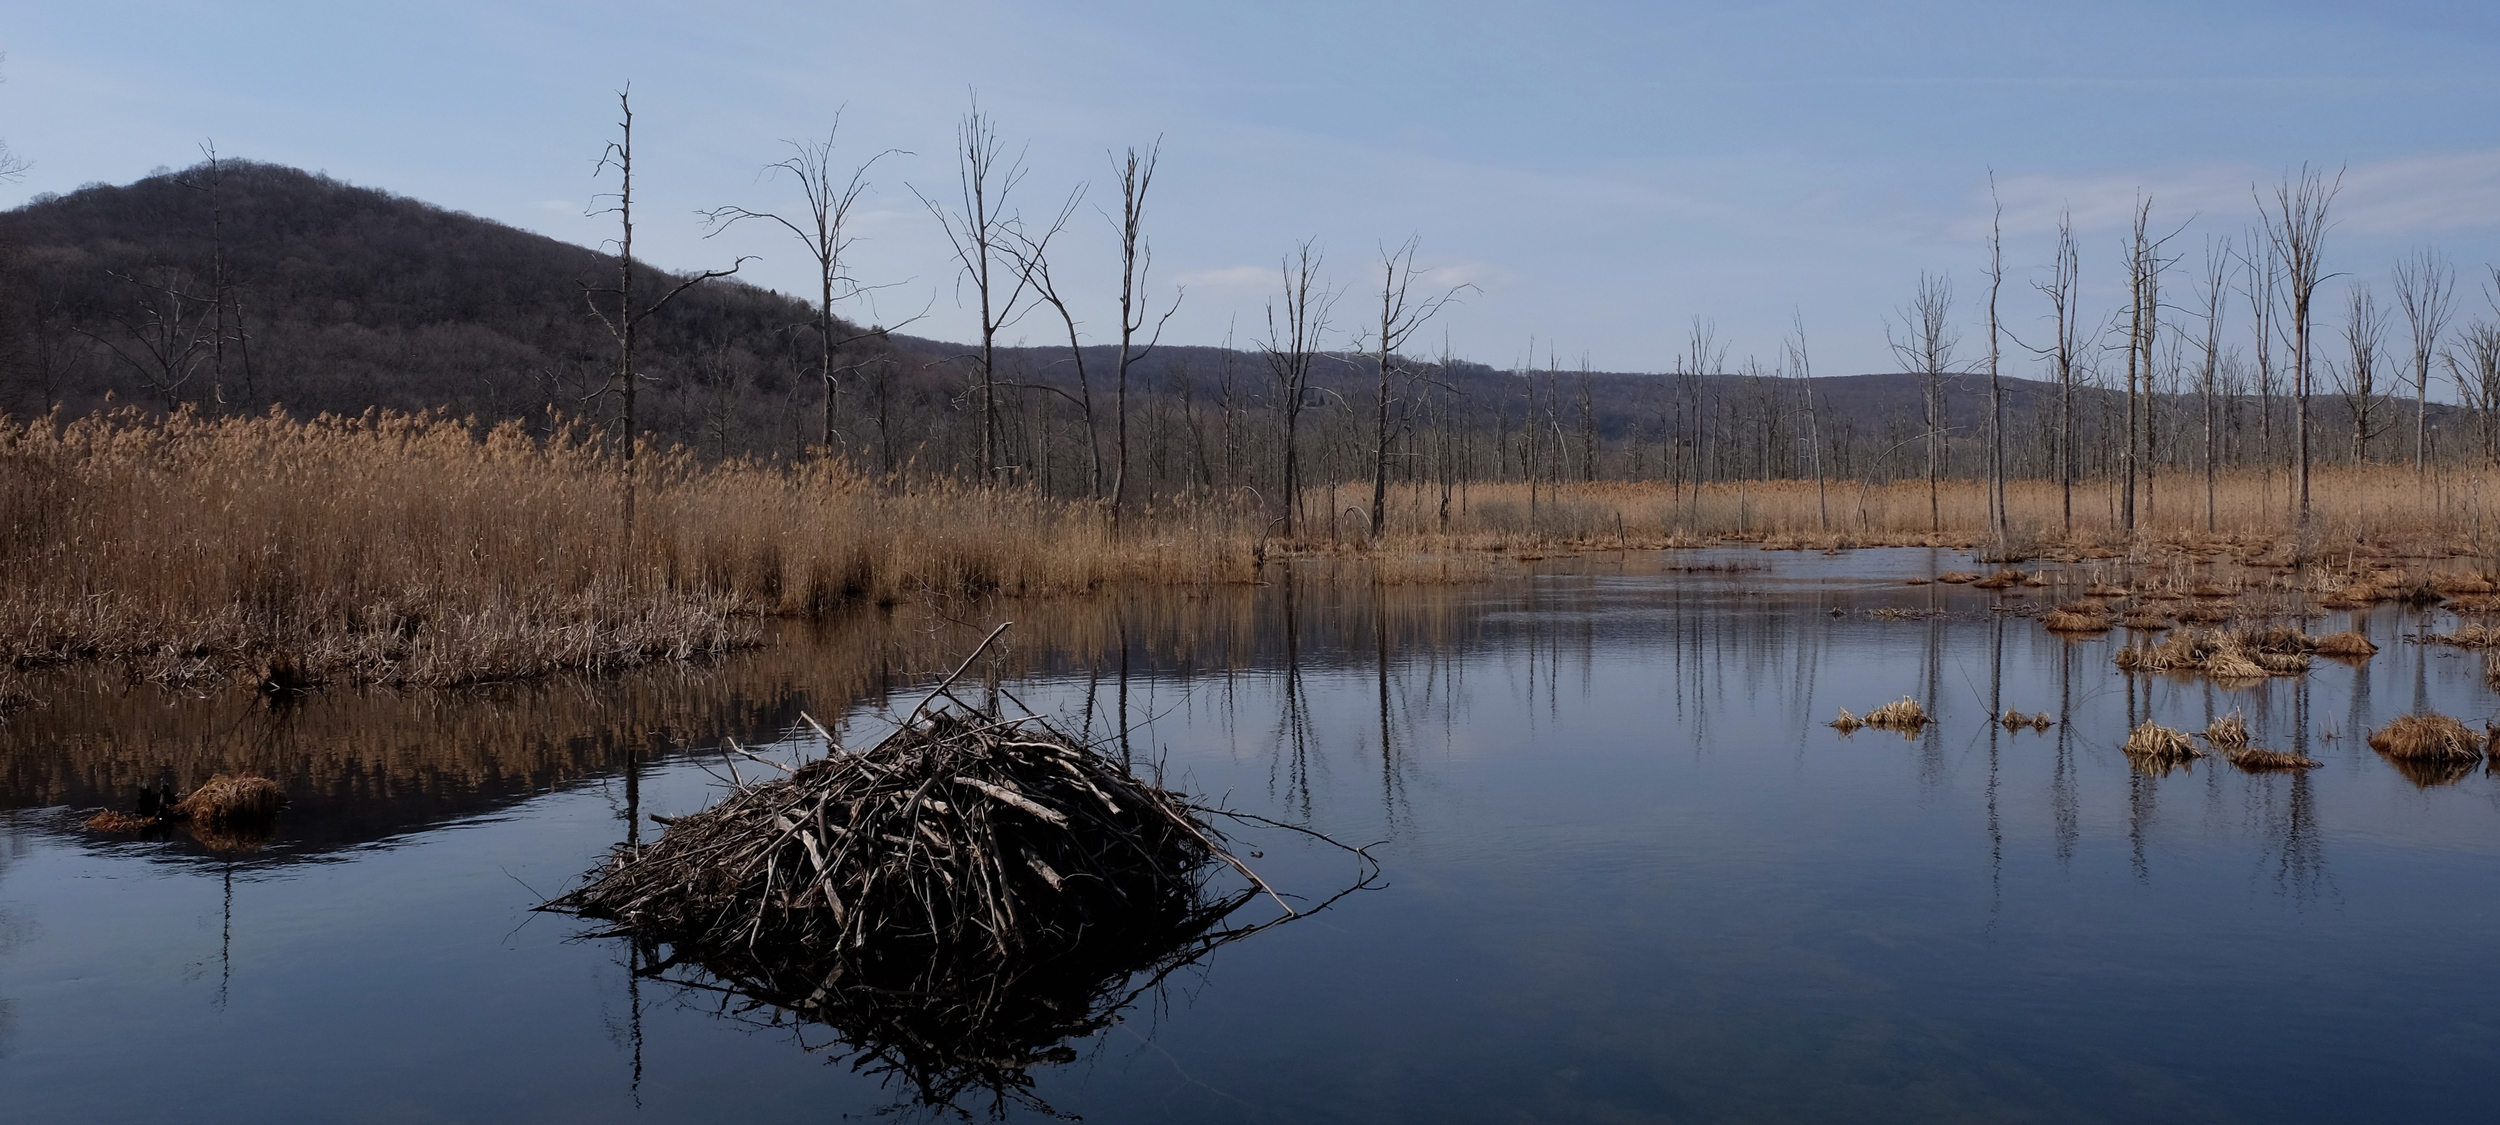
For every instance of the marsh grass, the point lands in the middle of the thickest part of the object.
(419, 550)
(2427, 738)
(2159, 747)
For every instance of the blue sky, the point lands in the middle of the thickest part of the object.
(1602, 173)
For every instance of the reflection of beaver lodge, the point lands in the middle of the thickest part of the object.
(957, 902)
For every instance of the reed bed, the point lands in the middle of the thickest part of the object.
(420, 550)
(2231, 655)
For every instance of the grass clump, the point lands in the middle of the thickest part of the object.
(2222, 655)
(2427, 738)
(2349, 643)
(1903, 714)
(2084, 616)
(2159, 747)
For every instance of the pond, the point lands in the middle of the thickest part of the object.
(1628, 871)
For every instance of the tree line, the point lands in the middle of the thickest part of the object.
(234, 286)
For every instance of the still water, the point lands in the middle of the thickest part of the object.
(1629, 874)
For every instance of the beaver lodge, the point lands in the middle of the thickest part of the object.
(956, 901)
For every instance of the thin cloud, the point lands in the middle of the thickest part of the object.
(2409, 195)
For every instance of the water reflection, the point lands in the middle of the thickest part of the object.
(1630, 865)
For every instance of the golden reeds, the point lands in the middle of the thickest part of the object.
(2466, 636)
(2078, 617)
(2256, 760)
(2002, 579)
(417, 550)
(2228, 732)
(2347, 643)
(226, 798)
(1847, 722)
(2427, 738)
(1903, 714)
(2153, 742)
(2243, 654)
(1957, 577)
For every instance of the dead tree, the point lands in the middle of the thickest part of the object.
(2474, 361)
(625, 317)
(1926, 344)
(824, 229)
(1996, 388)
(2209, 358)
(1137, 173)
(1401, 313)
(2145, 266)
(2263, 281)
(167, 334)
(1803, 366)
(2426, 288)
(1295, 324)
(2295, 227)
(2064, 316)
(1031, 255)
(977, 230)
(220, 281)
(2358, 377)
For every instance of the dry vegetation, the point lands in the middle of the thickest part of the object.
(425, 551)
(414, 550)
(2236, 654)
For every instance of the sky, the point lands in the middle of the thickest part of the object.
(1597, 175)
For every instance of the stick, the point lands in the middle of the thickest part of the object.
(960, 669)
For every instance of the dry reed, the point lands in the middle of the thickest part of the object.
(2077, 617)
(2228, 732)
(2427, 738)
(227, 799)
(189, 547)
(2349, 643)
(2256, 760)
(2155, 743)
(1903, 714)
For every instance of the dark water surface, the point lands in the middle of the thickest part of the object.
(1631, 875)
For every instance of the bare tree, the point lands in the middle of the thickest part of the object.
(2426, 288)
(977, 229)
(221, 283)
(823, 227)
(1137, 173)
(2209, 354)
(2145, 267)
(2474, 361)
(625, 318)
(2358, 377)
(167, 333)
(1031, 254)
(1294, 327)
(2295, 227)
(1401, 313)
(2064, 317)
(2263, 281)
(1803, 367)
(1925, 343)
(1996, 389)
